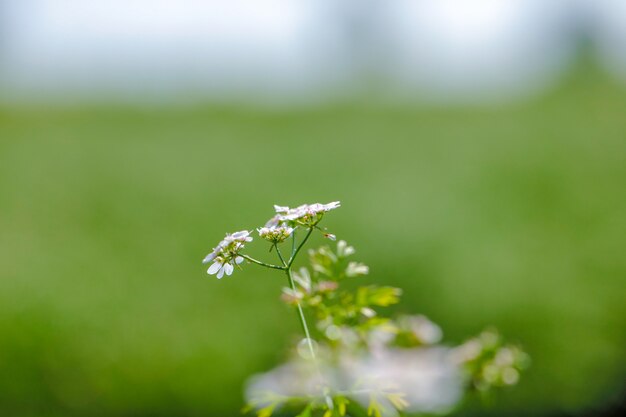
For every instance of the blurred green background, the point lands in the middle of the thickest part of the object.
(512, 216)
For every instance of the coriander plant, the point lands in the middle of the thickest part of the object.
(352, 360)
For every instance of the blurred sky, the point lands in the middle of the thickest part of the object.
(268, 50)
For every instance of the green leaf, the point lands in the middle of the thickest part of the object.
(266, 411)
(374, 409)
(306, 412)
(341, 402)
(378, 296)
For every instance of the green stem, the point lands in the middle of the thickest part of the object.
(301, 316)
(282, 268)
(295, 253)
(280, 255)
(303, 323)
(292, 284)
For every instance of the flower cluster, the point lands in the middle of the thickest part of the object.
(305, 215)
(488, 362)
(226, 254)
(275, 234)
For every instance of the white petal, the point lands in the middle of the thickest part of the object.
(331, 206)
(214, 268)
(281, 209)
(240, 234)
(316, 207)
(238, 259)
(228, 268)
(273, 222)
(220, 274)
(209, 258)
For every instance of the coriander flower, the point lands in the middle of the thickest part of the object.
(226, 254)
(306, 214)
(221, 266)
(343, 250)
(357, 268)
(275, 234)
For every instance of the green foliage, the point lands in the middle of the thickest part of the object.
(377, 296)
(511, 215)
(489, 362)
(350, 328)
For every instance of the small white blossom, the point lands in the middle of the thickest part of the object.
(221, 266)
(510, 376)
(424, 330)
(291, 296)
(273, 222)
(226, 254)
(275, 234)
(306, 214)
(343, 250)
(303, 278)
(357, 268)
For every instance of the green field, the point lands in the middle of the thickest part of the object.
(513, 216)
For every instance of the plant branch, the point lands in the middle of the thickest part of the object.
(295, 253)
(282, 268)
(305, 327)
(280, 255)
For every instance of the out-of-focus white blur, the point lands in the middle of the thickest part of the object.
(428, 378)
(305, 50)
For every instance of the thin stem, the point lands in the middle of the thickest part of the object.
(295, 253)
(280, 255)
(303, 323)
(282, 268)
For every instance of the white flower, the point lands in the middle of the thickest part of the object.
(306, 214)
(422, 328)
(430, 381)
(275, 234)
(221, 266)
(357, 268)
(303, 278)
(226, 254)
(241, 237)
(273, 222)
(343, 250)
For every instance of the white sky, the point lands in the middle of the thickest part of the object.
(462, 47)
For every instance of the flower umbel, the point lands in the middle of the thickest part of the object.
(275, 234)
(305, 215)
(226, 254)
